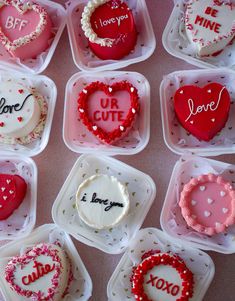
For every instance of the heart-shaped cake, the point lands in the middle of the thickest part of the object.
(162, 276)
(40, 274)
(110, 28)
(12, 193)
(208, 204)
(210, 25)
(25, 28)
(108, 111)
(202, 111)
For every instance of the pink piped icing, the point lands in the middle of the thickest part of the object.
(208, 204)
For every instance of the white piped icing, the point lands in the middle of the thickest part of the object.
(102, 201)
(86, 24)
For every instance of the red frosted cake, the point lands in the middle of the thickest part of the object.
(110, 28)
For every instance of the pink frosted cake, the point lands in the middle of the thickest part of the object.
(42, 273)
(208, 204)
(108, 111)
(25, 28)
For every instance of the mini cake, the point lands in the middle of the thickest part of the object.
(102, 201)
(202, 111)
(108, 111)
(22, 113)
(13, 189)
(25, 28)
(110, 28)
(40, 274)
(208, 204)
(210, 25)
(162, 276)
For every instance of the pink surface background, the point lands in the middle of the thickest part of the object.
(56, 161)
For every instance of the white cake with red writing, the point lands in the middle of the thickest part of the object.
(102, 201)
(40, 274)
(22, 113)
(210, 25)
(109, 26)
(25, 28)
(108, 111)
(162, 276)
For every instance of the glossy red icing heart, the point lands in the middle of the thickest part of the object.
(108, 111)
(12, 192)
(202, 111)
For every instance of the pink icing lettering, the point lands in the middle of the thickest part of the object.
(15, 23)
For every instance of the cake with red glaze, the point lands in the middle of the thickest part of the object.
(108, 111)
(202, 111)
(41, 273)
(13, 189)
(162, 276)
(109, 26)
(25, 28)
(208, 204)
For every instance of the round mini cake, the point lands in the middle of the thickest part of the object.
(110, 28)
(108, 111)
(202, 111)
(102, 201)
(13, 189)
(210, 25)
(208, 204)
(22, 111)
(40, 274)
(25, 28)
(162, 276)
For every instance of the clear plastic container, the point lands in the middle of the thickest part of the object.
(114, 240)
(201, 265)
(58, 16)
(85, 60)
(78, 138)
(172, 221)
(45, 87)
(23, 219)
(176, 137)
(175, 41)
(80, 288)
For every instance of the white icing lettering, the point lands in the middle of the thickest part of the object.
(15, 23)
(117, 20)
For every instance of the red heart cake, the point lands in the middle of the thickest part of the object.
(162, 276)
(110, 28)
(25, 28)
(202, 111)
(108, 111)
(12, 193)
(40, 274)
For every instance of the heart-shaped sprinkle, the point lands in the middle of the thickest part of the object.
(222, 193)
(202, 188)
(210, 201)
(4, 197)
(225, 210)
(20, 119)
(207, 213)
(2, 124)
(213, 119)
(194, 203)
(3, 188)
(8, 181)
(11, 191)
(21, 91)
(217, 224)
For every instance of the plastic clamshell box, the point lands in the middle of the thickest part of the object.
(172, 221)
(201, 265)
(114, 240)
(48, 233)
(83, 57)
(175, 42)
(22, 220)
(45, 87)
(175, 136)
(80, 140)
(57, 14)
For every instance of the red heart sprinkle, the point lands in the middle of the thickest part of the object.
(2, 124)
(21, 91)
(20, 119)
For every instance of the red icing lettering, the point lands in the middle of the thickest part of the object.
(213, 26)
(105, 104)
(211, 11)
(109, 102)
(164, 285)
(108, 116)
(41, 270)
(114, 103)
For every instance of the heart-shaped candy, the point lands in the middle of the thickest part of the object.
(108, 111)
(210, 25)
(202, 111)
(41, 273)
(25, 28)
(12, 192)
